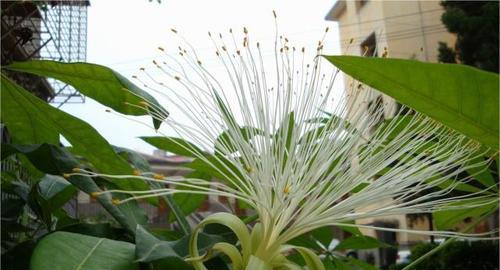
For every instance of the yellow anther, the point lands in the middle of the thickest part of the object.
(66, 175)
(286, 190)
(158, 176)
(173, 30)
(245, 30)
(274, 14)
(142, 69)
(137, 172)
(248, 169)
(143, 103)
(107, 110)
(95, 194)
(161, 49)
(351, 40)
(177, 78)
(115, 201)
(76, 169)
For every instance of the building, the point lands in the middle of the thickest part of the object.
(49, 30)
(396, 29)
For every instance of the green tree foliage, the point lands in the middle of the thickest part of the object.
(460, 255)
(476, 25)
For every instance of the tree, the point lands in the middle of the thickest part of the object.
(476, 25)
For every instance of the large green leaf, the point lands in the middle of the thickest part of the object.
(150, 249)
(188, 202)
(56, 160)
(98, 82)
(461, 97)
(68, 251)
(55, 190)
(27, 116)
(51, 185)
(226, 141)
(360, 242)
(141, 164)
(445, 220)
(174, 145)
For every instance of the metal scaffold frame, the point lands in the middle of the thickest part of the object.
(53, 30)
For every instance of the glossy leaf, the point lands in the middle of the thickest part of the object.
(27, 116)
(459, 96)
(100, 83)
(71, 251)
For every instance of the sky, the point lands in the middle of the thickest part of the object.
(125, 34)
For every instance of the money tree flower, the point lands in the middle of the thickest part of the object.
(261, 127)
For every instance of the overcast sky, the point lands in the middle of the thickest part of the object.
(124, 35)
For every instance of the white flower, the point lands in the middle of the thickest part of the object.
(280, 154)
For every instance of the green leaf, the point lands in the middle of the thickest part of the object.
(51, 185)
(482, 173)
(102, 230)
(26, 116)
(226, 141)
(313, 262)
(97, 82)
(360, 242)
(142, 164)
(56, 190)
(133, 158)
(174, 145)
(459, 96)
(361, 265)
(68, 251)
(445, 220)
(57, 160)
(217, 166)
(350, 228)
(149, 248)
(187, 202)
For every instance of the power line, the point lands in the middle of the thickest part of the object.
(388, 18)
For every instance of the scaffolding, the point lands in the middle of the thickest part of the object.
(52, 30)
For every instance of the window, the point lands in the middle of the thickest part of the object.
(360, 4)
(369, 46)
